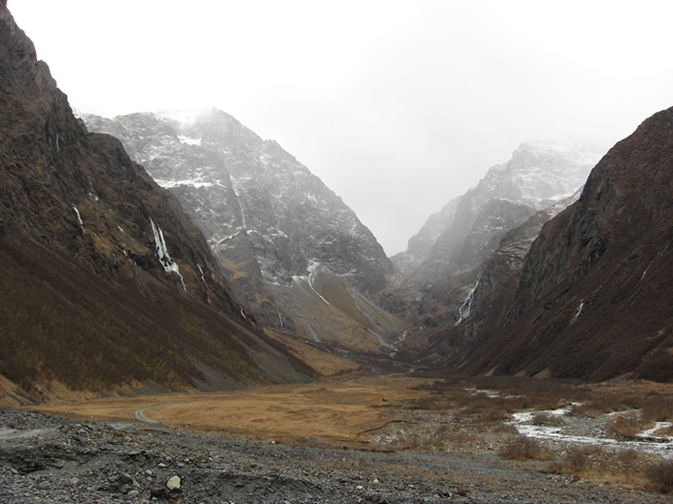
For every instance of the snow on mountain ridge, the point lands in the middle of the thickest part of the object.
(539, 175)
(540, 172)
(211, 160)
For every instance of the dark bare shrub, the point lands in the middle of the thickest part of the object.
(490, 417)
(665, 431)
(577, 461)
(460, 439)
(505, 429)
(624, 427)
(524, 448)
(582, 459)
(660, 476)
(626, 465)
(657, 409)
(585, 410)
(557, 467)
(628, 457)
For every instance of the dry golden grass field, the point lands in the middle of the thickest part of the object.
(339, 410)
(400, 412)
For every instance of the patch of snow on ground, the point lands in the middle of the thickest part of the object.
(646, 270)
(466, 308)
(590, 431)
(652, 433)
(579, 312)
(312, 268)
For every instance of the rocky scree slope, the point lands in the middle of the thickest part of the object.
(105, 280)
(276, 229)
(594, 300)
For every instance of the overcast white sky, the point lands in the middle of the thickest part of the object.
(398, 106)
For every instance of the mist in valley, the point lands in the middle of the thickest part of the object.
(398, 107)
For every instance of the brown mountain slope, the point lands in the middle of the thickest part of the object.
(594, 300)
(104, 280)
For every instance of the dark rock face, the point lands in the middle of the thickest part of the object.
(496, 217)
(200, 180)
(107, 280)
(506, 262)
(593, 301)
(486, 305)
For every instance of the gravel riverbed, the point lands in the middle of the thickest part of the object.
(48, 459)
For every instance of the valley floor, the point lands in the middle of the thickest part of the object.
(357, 439)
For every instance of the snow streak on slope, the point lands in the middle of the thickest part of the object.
(162, 253)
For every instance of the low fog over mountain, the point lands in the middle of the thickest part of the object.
(539, 175)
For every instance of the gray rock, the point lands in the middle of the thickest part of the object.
(173, 483)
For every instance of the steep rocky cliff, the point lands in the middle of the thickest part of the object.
(252, 186)
(487, 303)
(105, 280)
(276, 229)
(594, 299)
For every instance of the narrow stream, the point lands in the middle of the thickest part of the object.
(592, 431)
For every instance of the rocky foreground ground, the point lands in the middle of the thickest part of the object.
(49, 459)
